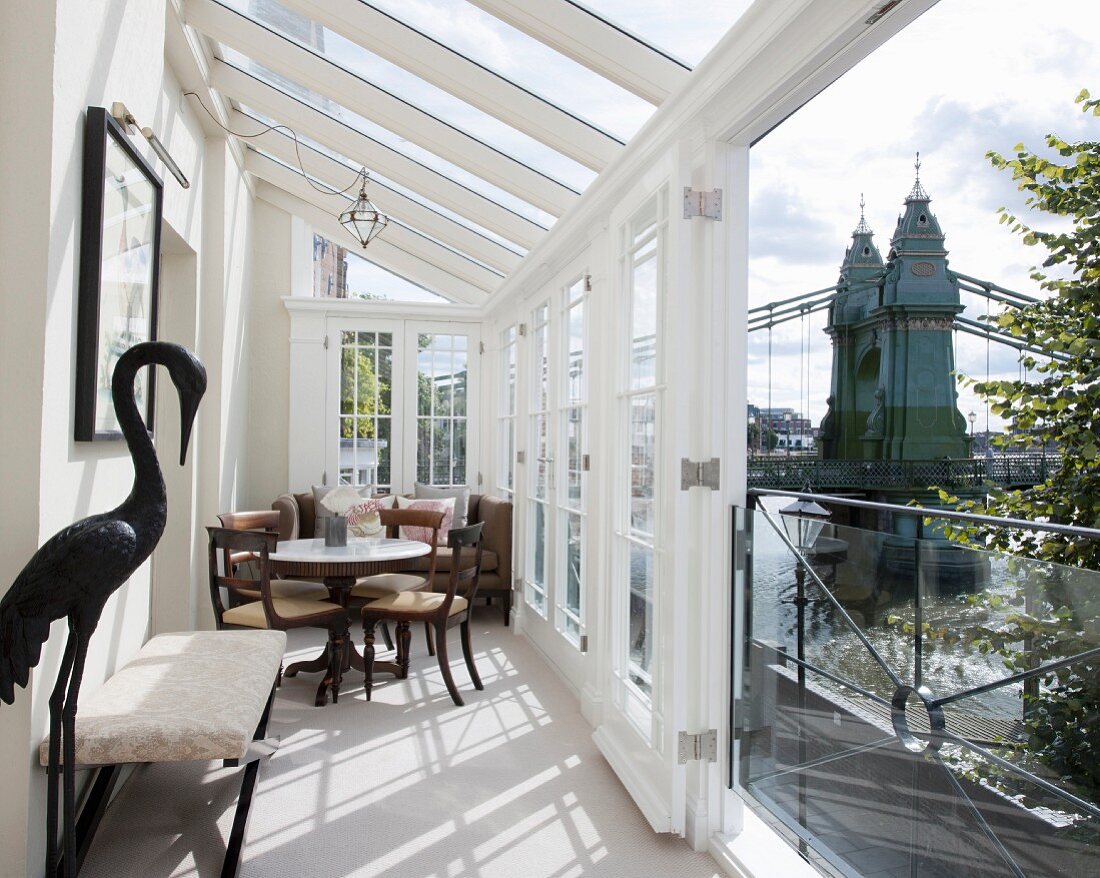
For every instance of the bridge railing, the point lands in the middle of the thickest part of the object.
(1010, 470)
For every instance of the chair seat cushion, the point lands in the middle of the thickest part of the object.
(414, 602)
(251, 615)
(385, 584)
(291, 588)
(443, 560)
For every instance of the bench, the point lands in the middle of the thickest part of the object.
(203, 695)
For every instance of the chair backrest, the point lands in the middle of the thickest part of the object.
(395, 519)
(463, 538)
(266, 520)
(225, 544)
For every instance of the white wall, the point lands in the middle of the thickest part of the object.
(55, 60)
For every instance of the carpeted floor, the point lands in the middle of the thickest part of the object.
(508, 786)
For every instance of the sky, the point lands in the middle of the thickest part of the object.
(966, 77)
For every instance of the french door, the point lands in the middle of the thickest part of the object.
(401, 403)
(557, 506)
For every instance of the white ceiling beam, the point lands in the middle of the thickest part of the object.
(593, 42)
(345, 88)
(342, 138)
(387, 256)
(407, 240)
(338, 175)
(465, 79)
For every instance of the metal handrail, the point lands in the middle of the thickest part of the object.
(1069, 530)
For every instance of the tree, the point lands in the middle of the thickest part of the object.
(1049, 618)
(361, 393)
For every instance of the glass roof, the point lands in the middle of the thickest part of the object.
(417, 92)
(386, 137)
(525, 61)
(381, 179)
(366, 280)
(685, 32)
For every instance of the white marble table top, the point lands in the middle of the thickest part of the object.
(357, 551)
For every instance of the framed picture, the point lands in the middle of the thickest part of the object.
(119, 273)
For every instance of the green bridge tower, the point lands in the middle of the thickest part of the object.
(893, 394)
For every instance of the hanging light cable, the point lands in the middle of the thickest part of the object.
(365, 221)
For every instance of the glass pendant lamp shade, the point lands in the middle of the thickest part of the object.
(363, 219)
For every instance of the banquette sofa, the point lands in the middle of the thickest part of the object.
(298, 520)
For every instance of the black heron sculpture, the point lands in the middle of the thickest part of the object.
(74, 573)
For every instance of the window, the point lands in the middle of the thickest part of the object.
(506, 421)
(366, 382)
(441, 394)
(541, 468)
(572, 440)
(343, 274)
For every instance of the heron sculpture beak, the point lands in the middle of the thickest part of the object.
(189, 406)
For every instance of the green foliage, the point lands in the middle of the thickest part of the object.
(361, 393)
(1048, 618)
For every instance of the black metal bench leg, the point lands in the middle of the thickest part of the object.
(235, 847)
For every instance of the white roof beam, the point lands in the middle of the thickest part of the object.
(387, 256)
(338, 175)
(465, 79)
(454, 264)
(319, 75)
(342, 138)
(595, 43)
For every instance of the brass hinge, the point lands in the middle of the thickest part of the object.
(584, 643)
(481, 347)
(523, 329)
(588, 283)
(520, 457)
(692, 748)
(325, 342)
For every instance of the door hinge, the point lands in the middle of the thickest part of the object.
(588, 283)
(523, 329)
(481, 347)
(480, 480)
(702, 746)
(881, 11)
(586, 462)
(324, 477)
(700, 202)
(325, 342)
(700, 473)
(584, 643)
(520, 457)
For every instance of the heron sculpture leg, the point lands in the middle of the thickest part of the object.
(68, 766)
(57, 701)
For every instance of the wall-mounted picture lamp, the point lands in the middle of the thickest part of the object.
(130, 125)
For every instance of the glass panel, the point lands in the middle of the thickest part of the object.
(643, 429)
(984, 773)
(525, 61)
(643, 323)
(418, 92)
(441, 451)
(365, 399)
(572, 530)
(575, 382)
(458, 452)
(458, 384)
(536, 584)
(442, 406)
(640, 626)
(424, 450)
(385, 477)
(388, 138)
(508, 454)
(542, 468)
(343, 274)
(666, 27)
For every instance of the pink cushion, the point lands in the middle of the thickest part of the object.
(424, 534)
(358, 517)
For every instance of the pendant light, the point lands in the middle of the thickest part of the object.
(363, 219)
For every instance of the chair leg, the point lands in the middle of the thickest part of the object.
(368, 655)
(468, 654)
(386, 635)
(507, 605)
(444, 664)
(428, 637)
(404, 639)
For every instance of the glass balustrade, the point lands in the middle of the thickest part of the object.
(909, 706)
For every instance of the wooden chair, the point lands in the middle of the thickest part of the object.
(439, 611)
(371, 588)
(267, 521)
(271, 611)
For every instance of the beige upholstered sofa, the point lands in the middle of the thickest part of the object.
(297, 519)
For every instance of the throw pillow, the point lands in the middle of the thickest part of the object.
(319, 511)
(461, 495)
(424, 534)
(363, 518)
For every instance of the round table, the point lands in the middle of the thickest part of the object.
(339, 567)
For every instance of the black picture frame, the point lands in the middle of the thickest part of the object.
(122, 204)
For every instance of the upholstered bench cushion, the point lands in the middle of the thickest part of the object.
(195, 695)
(489, 561)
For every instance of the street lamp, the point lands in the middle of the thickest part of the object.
(787, 424)
(972, 418)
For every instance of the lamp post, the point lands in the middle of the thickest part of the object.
(803, 521)
(972, 417)
(787, 426)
